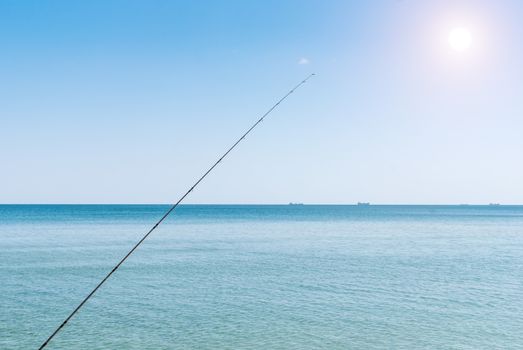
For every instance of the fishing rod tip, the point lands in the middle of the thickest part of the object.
(308, 77)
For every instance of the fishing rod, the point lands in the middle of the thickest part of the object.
(171, 209)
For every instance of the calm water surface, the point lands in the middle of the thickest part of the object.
(264, 277)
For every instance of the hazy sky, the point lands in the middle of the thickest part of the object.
(130, 101)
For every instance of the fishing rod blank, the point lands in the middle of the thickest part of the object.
(167, 214)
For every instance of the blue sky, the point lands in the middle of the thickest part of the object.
(130, 101)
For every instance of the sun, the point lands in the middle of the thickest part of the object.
(460, 39)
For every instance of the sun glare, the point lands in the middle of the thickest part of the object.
(460, 39)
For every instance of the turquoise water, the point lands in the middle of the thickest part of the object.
(264, 277)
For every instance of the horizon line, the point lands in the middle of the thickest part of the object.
(492, 204)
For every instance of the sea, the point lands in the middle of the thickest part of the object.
(263, 277)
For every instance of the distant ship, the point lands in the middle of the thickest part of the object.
(363, 204)
(494, 204)
(291, 203)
